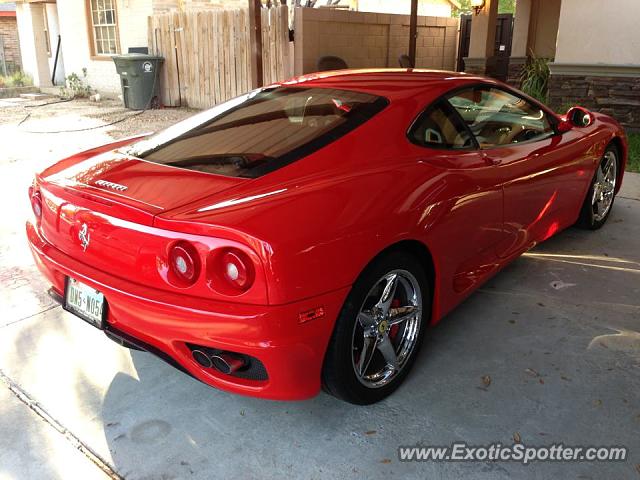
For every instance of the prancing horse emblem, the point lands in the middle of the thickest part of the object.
(83, 236)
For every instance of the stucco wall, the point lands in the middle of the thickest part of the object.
(54, 31)
(546, 28)
(593, 32)
(365, 39)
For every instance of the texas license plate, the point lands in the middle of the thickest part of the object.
(84, 301)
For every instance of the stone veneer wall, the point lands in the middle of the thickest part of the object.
(618, 96)
(516, 64)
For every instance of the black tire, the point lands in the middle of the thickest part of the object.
(588, 219)
(338, 372)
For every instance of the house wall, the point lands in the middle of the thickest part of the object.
(591, 32)
(366, 39)
(9, 35)
(545, 28)
(101, 72)
(521, 20)
(597, 61)
(54, 31)
(535, 29)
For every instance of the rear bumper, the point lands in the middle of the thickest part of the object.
(164, 323)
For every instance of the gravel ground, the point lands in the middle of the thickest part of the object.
(43, 118)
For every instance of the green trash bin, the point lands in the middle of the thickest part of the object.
(139, 79)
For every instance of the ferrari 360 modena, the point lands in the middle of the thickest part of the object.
(307, 234)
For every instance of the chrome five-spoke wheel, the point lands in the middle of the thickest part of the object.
(387, 327)
(597, 206)
(604, 186)
(379, 330)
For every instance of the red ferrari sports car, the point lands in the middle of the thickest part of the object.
(306, 234)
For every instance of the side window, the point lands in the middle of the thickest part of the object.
(496, 117)
(440, 127)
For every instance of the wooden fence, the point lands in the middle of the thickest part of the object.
(208, 53)
(275, 44)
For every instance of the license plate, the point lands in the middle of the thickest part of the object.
(84, 301)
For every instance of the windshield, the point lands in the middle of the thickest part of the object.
(259, 132)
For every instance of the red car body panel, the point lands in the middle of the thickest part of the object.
(310, 228)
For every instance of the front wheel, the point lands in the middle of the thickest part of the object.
(379, 330)
(597, 205)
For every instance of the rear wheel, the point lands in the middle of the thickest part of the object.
(599, 201)
(379, 330)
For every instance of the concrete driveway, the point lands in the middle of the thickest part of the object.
(557, 332)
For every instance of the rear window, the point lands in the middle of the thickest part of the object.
(259, 132)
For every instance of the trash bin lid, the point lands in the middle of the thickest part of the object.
(136, 57)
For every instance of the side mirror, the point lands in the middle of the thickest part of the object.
(579, 117)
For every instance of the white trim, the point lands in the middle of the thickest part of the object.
(594, 70)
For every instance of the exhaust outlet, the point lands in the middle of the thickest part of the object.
(227, 363)
(202, 358)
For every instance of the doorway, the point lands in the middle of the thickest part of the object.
(498, 64)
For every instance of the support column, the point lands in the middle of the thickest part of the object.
(255, 27)
(413, 32)
(483, 37)
(35, 60)
(520, 42)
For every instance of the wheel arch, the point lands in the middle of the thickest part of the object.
(422, 252)
(617, 142)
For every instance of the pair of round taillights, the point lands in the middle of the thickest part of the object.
(229, 270)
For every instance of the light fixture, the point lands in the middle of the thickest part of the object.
(478, 5)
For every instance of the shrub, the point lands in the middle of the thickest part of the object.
(16, 79)
(534, 79)
(76, 86)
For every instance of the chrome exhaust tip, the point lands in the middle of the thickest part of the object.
(202, 358)
(227, 363)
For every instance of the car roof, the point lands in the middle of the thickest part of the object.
(391, 82)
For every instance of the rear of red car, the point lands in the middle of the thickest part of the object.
(199, 301)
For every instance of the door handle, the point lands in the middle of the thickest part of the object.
(491, 161)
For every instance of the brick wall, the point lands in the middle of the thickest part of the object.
(9, 35)
(366, 39)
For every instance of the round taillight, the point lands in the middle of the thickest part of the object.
(230, 271)
(184, 263)
(236, 270)
(36, 204)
